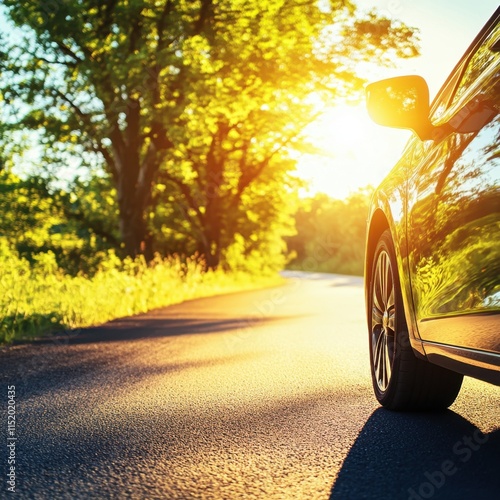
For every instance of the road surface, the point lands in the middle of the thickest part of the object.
(262, 394)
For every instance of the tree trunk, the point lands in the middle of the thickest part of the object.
(134, 178)
(209, 247)
(134, 194)
(132, 229)
(211, 239)
(212, 259)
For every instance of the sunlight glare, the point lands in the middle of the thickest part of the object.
(352, 152)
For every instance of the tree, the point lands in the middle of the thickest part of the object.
(204, 98)
(331, 233)
(77, 227)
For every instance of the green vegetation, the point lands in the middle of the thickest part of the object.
(60, 268)
(40, 298)
(136, 134)
(78, 227)
(330, 234)
(189, 109)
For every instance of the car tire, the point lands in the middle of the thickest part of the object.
(401, 381)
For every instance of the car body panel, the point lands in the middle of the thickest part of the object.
(454, 219)
(441, 203)
(388, 210)
(478, 364)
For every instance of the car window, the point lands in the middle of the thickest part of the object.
(445, 95)
(486, 58)
(483, 65)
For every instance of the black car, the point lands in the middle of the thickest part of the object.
(432, 268)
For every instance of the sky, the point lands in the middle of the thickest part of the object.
(356, 151)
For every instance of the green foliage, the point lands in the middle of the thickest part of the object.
(78, 228)
(191, 107)
(219, 215)
(251, 78)
(38, 299)
(330, 234)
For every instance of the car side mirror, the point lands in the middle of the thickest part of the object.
(401, 102)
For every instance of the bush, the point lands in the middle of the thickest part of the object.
(38, 298)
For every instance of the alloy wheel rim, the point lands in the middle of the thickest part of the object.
(383, 321)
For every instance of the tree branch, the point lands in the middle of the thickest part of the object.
(66, 50)
(85, 118)
(99, 148)
(205, 11)
(187, 194)
(160, 25)
(73, 105)
(105, 28)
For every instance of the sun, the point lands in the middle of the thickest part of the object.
(351, 152)
(342, 131)
(340, 128)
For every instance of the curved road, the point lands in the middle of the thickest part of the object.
(262, 394)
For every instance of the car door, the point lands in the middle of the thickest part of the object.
(453, 219)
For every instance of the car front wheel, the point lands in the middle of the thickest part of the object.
(401, 381)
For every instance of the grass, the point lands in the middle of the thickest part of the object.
(39, 299)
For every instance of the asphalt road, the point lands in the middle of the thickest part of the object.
(262, 394)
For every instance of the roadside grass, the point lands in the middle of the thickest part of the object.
(39, 299)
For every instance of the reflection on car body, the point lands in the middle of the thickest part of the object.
(432, 270)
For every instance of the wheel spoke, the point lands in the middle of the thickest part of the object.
(378, 303)
(391, 321)
(390, 300)
(387, 362)
(378, 357)
(378, 295)
(377, 316)
(381, 284)
(380, 367)
(386, 280)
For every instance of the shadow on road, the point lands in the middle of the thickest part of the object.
(74, 359)
(420, 456)
(140, 327)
